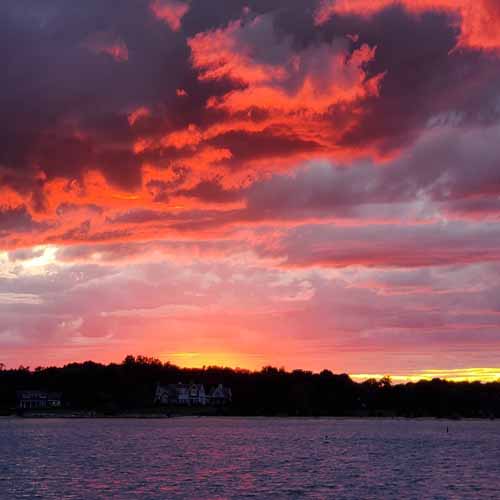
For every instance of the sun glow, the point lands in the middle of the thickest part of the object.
(455, 375)
(32, 261)
(224, 359)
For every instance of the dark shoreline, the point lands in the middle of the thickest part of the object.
(83, 390)
(158, 416)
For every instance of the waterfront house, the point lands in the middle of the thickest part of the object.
(220, 395)
(190, 395)
(35, 400)
(197, 394)
(181, 394)
(162, 395)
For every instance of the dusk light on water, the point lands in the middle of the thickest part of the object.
(250, 458)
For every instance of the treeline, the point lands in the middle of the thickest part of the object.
(130, 386)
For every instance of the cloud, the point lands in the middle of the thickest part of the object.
(478, 19)
(277, 91)
(25, 254)
(291, 89)
(243, 176)
(170, 11)
(387, 246)
(358, 317)
(17, 219)
(107, 43)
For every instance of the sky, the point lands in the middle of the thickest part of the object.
(300, 183)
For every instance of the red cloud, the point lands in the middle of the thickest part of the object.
(227, 175)
(137, 114)
(277, 77)
(479, 20)
(280, 99)
(107, 43)
(170, 11)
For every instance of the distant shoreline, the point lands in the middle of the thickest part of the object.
(141, 387)
(155, 416)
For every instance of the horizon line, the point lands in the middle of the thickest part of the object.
(472, 374)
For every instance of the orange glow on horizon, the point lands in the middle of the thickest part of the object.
(234, 360)
(452, 375)
(199, 359)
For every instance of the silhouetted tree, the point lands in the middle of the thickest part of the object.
(130, 385)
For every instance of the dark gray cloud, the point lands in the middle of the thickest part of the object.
(18, 219)
(65, 100)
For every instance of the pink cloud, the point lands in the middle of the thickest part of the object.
(107, 43)
(170, 11)
(479, 20)
(137, 114)
(261, 186)
(281, 79)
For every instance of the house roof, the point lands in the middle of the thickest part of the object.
(37, 394)
(31, 394)
(220, 391)
(215, 391)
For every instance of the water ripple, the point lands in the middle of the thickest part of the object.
(229, 458)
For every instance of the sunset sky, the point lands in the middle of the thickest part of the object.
(303, 183)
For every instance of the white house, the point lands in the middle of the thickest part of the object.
(161, 395)
(181, 394)
(38, 399)
(220, 395)
(197, 394)
(191, 395)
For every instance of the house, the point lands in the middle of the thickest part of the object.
(54, 400)
(31, 400)
(197, 394)
(191, 395)
(181, 394)
(161, 395)
(220, 395)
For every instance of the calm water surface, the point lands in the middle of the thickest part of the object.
(219, 458)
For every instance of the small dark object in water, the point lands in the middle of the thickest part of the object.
(446, 429)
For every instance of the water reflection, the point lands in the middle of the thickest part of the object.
(248, 458)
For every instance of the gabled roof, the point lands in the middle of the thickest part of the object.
(220, 391)
(31, 394)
